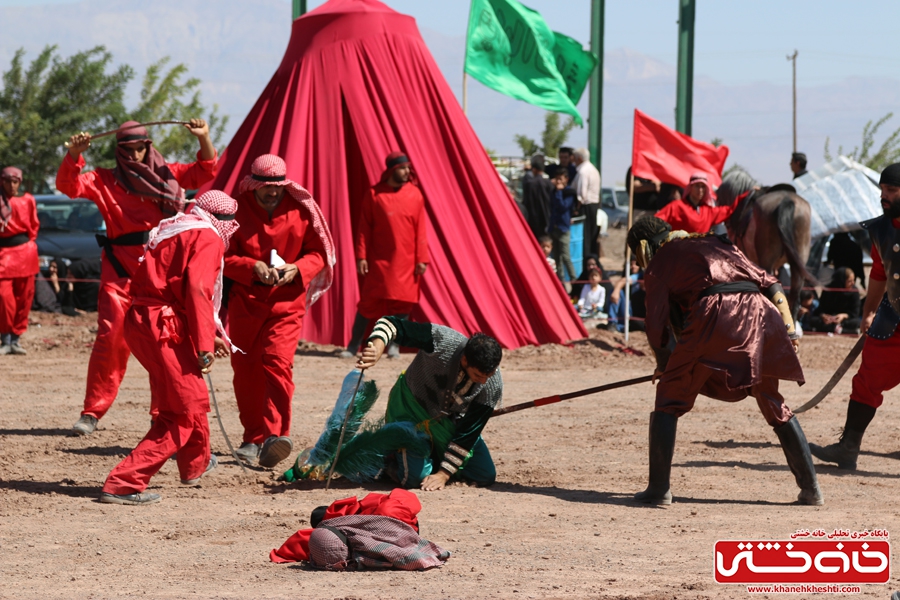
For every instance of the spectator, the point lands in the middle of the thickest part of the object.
(838, 311)
(546, 243)
(54, 294)
(593, 296)
(587, 189)
(798, 164)
(636, 307)
(844, 251)
(560, 221)
(536, 192)
(650, 194)
(809, 302)
(565, 160)
(696, 212)
(592, 261)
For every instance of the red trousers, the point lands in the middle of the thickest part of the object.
(264, 374)
(375, 308)
(677, 399)
(16, 295)
(109, 356)
(186, 433)
(879, 371)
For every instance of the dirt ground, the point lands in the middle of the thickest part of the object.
(559, 522)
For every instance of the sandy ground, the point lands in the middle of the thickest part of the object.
(559, 523)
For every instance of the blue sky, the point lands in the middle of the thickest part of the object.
(736, 42)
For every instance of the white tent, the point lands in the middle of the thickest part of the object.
(841, 193)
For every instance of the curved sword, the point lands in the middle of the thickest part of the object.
(838, 375)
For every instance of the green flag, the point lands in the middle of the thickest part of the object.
(512, 50)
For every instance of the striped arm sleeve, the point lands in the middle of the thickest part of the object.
(384, 330)
(453, 458)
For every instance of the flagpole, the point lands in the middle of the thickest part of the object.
(465, 91)
(628, 250)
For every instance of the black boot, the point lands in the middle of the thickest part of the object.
(662, 447)
(796, 450)
(356, 335)
(846, 450)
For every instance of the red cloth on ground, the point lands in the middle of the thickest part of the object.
(265, 321)
(18, 265)
(392, 238)
(399, 504)
(123, 213)
(169, 322)
(740, 337)
(16, 296)
(21, 260)
(486, 270)
(682, 215)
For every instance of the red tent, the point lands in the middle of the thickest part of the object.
(356, 83)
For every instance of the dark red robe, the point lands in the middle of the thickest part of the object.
(18, 266)
(264, 321)
(392, 239)
(400, 504)
(170, 321)
(730, 342)
(123, 213)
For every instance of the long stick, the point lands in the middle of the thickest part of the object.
(841, 371)
(627, 273)
(570, 395)
(344, 428)
(135, 126)
(212, 394)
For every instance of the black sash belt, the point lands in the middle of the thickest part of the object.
(137, 238)
(14, 240)
(733, 287)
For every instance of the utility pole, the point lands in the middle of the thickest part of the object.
(595, 101)
(793, 59)
(684, 95)
(299, 8)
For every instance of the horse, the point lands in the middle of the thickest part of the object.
(771, 228)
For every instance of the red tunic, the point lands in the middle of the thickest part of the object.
(123, 211)
(684, 216)
(741, 336)
(400, 504)
(22, 260)
(392, 239)
(172, 317)
(264, 321)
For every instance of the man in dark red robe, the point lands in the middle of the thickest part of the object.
(133, 198)
(18, 259)
(171, 329)
(730, 342)
(391, 249)
(281, 261)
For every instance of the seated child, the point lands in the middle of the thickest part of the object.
(593, 296)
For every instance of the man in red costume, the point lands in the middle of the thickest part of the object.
(281, 261)
(171, 329)
(391, 249)
(133, 198)
(400, 504)
(18, 259)
(733, 337)
(696, 211)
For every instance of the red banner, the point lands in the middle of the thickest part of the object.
(802, 561)
(663, 154)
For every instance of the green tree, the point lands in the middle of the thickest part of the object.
(887, 154)
(553, 136)
(41, 106)
(166, 96)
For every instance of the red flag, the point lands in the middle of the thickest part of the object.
(663, 154)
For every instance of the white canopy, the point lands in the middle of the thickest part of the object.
(841, 193)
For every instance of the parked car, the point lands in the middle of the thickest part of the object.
(614, 202)
(67, 229)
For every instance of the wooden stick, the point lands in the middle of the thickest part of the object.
(118, 129)
(570, 395)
